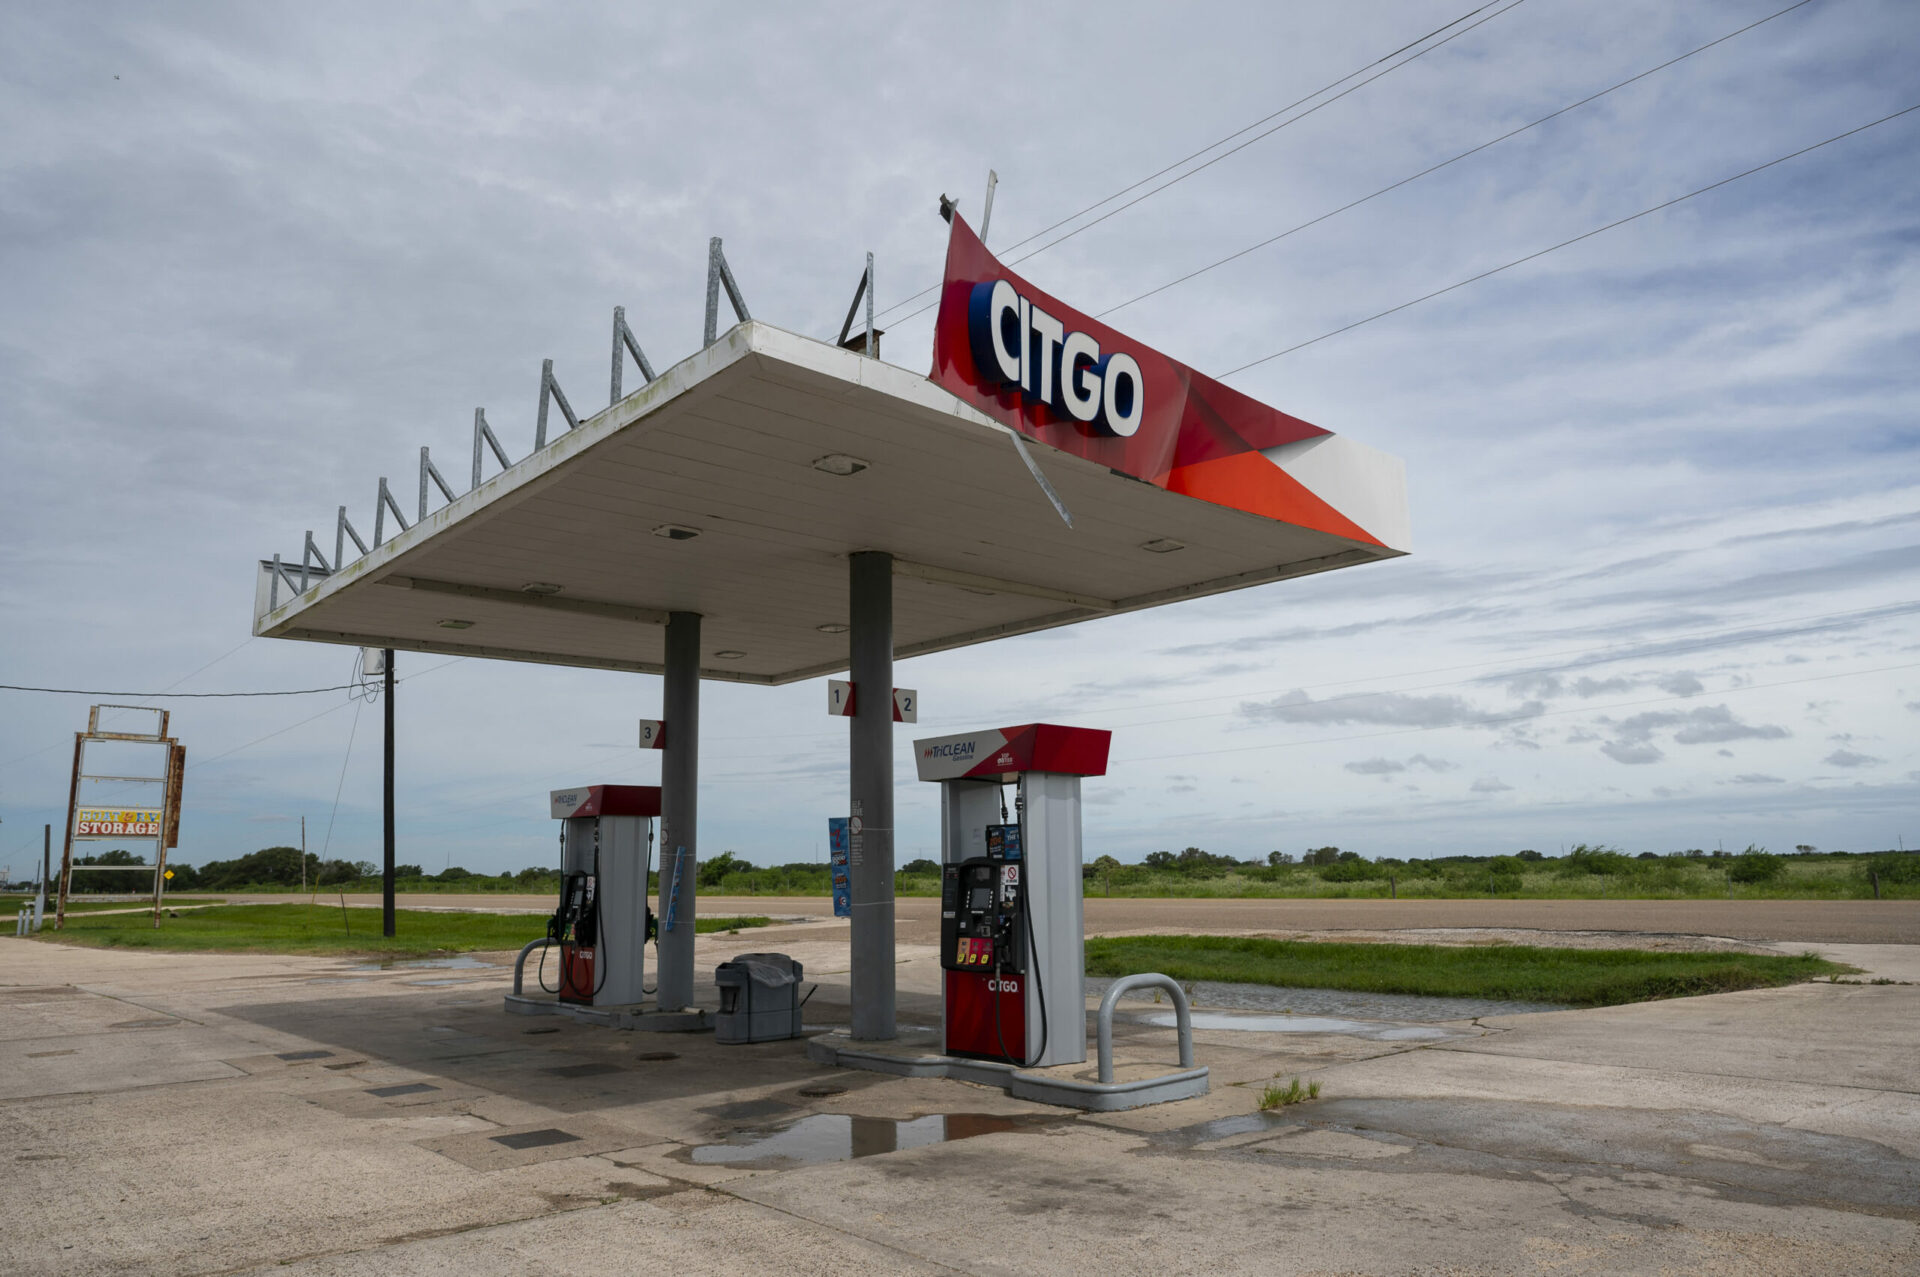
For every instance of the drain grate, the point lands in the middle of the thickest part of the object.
(542, 1028)
(302, 1055)
(822, 1091)
(143, 1024)
(596, 1069)
(536, 1139)
(656, 1057)
(410, 1088)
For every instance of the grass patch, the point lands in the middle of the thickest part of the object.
(11, 904)
(1571, 977)
(322, 930)
(1276, 1096)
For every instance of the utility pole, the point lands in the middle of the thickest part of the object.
(303, 856)
(386, 799)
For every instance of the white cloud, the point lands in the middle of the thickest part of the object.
(1848, 758)
(1678, 455)
(1384, 708)
(1491, 785)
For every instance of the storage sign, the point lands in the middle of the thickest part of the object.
(117, 822)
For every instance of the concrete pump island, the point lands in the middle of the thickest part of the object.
(933, 1087)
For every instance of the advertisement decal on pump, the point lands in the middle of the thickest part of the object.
(1031, 747)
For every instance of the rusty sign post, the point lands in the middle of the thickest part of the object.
(161, 824)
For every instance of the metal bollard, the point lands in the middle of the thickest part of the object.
(1183, 1016)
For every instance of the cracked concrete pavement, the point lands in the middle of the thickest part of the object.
(171, 1113)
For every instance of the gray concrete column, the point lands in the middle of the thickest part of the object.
(870, 859)
(679, 809)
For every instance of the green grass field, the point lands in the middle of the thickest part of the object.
(11, 904)
(321, 929)
(1572, 977)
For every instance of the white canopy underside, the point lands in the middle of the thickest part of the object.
(724, 443)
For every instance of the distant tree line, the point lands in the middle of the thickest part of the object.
(280, 869)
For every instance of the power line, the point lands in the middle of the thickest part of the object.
(1200, 168)
(151, 696)
(1520, 261)
(1228, 138)
(322, 714)
(1249, 128)
(342, 783)
(1594, 97)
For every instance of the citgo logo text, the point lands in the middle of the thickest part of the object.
(1015, 343)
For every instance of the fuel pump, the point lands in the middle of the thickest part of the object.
(1012, 932)
(602, 924)
(574, 927)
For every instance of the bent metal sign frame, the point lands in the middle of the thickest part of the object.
(1038, 366)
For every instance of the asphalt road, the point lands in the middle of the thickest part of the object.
(1809, 921)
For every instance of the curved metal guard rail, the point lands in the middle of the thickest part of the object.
(1146, 980)
(520, 963)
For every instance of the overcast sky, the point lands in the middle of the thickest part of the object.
(1665, 588)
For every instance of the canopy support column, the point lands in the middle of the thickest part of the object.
(679, 812)
(870, 859)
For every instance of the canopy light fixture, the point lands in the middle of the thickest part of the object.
(541, 588)
(832, 627)
(839, 463)
(728, 654)
(676, 532)
(1163, 545)
(456, 625)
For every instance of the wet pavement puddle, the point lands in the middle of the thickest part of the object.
(840, 1137)
(1379, 1031)
(460, 962)
(1342, 1004)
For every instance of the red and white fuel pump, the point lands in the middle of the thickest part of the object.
(603, 923)
(1012, 930)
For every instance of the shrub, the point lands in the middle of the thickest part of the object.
(330, 872)
(713, 872)
(1596, 859)
(1351, 871)
(1503, 873)
(1891, 866)
(1755, 864)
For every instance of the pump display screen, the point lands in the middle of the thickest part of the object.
(980, 918)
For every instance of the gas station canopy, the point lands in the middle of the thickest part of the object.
(736, 484)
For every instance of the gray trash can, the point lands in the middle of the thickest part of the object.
(759, 998)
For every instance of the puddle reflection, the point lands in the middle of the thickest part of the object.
(461, 962)
(839, 1137)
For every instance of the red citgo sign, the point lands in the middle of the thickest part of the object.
(1036, 365)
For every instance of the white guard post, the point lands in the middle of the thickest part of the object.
(1013, 933)
(606, 852)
